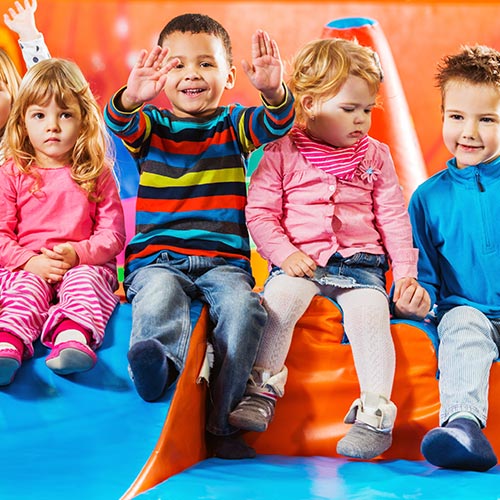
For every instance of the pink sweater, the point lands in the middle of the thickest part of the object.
(59, 212)
(295, 206)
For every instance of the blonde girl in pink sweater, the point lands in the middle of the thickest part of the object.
(62, 223)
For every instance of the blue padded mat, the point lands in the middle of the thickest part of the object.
(82, 437)
(320, 478)
(86, 437)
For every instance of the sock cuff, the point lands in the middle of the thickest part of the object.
(261, 391)
(10, 338)
(465, 414)
(69, 324)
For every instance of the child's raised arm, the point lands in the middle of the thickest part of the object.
(21, 20)
(147, 78)
(266, 70)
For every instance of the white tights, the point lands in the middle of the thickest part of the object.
(366, 323)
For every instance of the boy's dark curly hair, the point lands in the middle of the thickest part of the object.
(198, 23)
(476, 64)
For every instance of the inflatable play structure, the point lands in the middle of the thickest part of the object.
(89, 436)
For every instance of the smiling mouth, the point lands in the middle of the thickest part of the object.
(469, 147)
(193, 92)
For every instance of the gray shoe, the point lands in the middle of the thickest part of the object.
(364, 441)
(253, 413)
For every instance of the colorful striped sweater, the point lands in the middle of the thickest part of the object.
(192, 190)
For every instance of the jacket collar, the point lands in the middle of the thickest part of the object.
(486, 172)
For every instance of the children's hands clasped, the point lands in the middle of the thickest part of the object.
(52, 265)
(266, 70)
(410, 299)
(147, 78)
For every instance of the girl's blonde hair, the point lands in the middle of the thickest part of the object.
(321, 68)
(9, 76)
(63, 81)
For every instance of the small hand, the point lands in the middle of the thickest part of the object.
(147, 78)
(410, 299)
(22, 20)
(64, 252)
(51, 270)
(299, 264)
(266, 70)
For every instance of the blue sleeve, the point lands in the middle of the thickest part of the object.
(428, 260)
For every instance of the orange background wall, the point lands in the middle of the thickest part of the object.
(104, 36)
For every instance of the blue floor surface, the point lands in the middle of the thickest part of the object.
(83, 437)
(320, 478)
(86, 437)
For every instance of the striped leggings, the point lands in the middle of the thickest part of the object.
(31, 308)
(468, 345)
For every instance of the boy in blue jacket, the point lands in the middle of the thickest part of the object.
(455, 218)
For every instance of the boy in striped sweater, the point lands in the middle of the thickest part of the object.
(191, 239)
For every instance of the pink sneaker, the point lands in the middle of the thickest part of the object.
(71, 357)
(10, 361)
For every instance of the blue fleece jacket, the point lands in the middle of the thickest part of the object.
(455, 216)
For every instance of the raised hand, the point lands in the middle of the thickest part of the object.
(21, 20)
(266, 69)
(147, 78)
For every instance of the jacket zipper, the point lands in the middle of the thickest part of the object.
(479, 183)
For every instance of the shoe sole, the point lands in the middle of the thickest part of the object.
(8, 369)
(70, 361)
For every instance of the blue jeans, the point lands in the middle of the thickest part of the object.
(468, 345)
(161, 295)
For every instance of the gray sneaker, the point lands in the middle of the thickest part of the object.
(253, 413)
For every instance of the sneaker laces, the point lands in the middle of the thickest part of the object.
(259, 403)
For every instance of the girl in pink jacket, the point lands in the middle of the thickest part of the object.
(62, 223)
(326, 211)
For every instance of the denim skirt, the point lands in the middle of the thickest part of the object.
(361, 270)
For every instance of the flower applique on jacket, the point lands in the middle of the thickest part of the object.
(367, 172)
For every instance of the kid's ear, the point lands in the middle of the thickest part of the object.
(308, 104)
(231, 77)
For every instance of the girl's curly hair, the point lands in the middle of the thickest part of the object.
(321, 68)
(9, 77)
